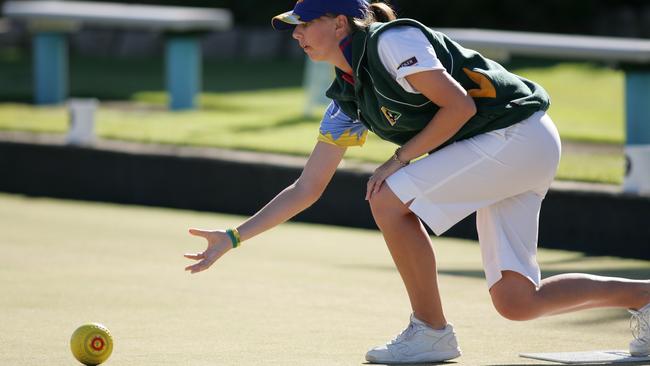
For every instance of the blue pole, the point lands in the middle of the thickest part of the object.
(317, 78)
(183, 58)
(637, 145)
(50, 68)
(637, 107)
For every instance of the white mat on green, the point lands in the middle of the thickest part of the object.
(587, 357)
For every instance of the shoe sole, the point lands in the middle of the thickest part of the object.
(422, 358)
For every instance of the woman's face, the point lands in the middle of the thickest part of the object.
(320, 38)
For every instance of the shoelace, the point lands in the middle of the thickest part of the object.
(406, 333)
(640, 325)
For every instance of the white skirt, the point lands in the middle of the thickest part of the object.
(503, 175)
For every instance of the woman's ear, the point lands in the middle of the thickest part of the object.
(341, 25)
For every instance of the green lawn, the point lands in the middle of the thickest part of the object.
(587, 100)
(259, 107)
(592, 167)
(277, 300)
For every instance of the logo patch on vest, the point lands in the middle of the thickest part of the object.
(410, 62)
(391, 116)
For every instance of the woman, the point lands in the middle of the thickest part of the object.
(491, 149)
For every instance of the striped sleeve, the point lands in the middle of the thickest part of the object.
(338, 129)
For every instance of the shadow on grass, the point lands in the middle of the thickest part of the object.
(639, 273)
(417, 364)
(574, 364)
(536, 364)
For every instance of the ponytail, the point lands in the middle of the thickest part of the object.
(377, 12)
(382, 12)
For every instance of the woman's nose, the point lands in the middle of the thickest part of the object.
(297, 33)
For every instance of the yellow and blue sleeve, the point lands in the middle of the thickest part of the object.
(338, 129)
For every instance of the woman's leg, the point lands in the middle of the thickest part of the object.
(508, 232)
(410, 246)
(516, 298)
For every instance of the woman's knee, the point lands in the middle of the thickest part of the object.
(385, 204)
(514, 297)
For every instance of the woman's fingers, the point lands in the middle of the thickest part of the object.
(195, 256)
(370, 187)
(379, 177)
(207, 258)
(378, 187)
(202, 265)
(194, 267)
(198, 267)
(374, 185)
(205, 263)
(199, 232)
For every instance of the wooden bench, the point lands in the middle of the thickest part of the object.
(51, 20)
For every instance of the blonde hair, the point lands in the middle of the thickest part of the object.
(377, 12)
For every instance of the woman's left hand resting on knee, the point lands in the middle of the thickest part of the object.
(379, 176)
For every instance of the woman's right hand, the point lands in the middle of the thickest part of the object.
(218, 244)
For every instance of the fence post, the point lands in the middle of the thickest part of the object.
(637, 119)
(318, 77)
(50, 67)
(183, 63)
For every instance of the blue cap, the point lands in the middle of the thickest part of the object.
(307, 10)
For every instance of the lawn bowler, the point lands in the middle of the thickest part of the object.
(472, 137)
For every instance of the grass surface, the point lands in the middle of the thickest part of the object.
(259, 107)
(587, 100)
(277, 300)
(594, 167)
(223, 127)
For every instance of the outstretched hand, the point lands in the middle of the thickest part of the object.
(218, 244)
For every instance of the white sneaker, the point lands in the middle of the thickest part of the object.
(640, 325)
(417, 343)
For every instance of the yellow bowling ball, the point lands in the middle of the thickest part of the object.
(91, 344)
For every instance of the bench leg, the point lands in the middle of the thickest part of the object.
(637, 146)
(183, 63)
(50, 68)
(317, 78)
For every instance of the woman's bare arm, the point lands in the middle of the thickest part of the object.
(306, 190)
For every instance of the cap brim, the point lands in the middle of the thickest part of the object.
(285, 21)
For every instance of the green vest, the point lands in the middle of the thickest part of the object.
(381, 104)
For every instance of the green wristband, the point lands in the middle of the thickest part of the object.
(234, 237)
